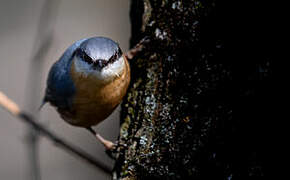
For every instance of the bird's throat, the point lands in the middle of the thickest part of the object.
(94, 99)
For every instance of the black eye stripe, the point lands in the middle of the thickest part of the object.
(87, 58)
(116, 56)
(83, 55)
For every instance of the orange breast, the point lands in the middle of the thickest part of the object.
(94, 100)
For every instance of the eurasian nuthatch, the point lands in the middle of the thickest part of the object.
(88, 82)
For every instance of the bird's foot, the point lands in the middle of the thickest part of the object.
(110, 146)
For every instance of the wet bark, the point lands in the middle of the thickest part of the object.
(177, 117)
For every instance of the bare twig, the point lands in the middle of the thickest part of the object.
(9, 105)
(13, 108)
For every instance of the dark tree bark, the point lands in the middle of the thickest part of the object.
(177, 118)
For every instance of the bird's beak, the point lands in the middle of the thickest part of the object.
(99, 64)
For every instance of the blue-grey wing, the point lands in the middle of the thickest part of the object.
(60, 87)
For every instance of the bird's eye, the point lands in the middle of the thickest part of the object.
(116, 56)
(87, 58)
(83, 55)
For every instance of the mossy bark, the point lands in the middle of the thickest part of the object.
(177, 118)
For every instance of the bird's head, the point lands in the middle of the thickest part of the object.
(100, 57)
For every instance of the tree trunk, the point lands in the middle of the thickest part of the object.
(177, 116)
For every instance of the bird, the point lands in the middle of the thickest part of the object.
(88, 82)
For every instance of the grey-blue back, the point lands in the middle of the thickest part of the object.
(60, 87)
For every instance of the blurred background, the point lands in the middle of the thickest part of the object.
(33, 35)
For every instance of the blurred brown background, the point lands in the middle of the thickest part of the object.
(70, 20)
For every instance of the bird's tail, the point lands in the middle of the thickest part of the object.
(42, 104)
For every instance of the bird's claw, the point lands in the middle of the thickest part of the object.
(109, 145)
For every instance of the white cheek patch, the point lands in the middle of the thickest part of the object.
(114, 69)
(107, 73)
(81, 66)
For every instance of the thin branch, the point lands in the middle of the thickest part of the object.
(9, 105)
(13, 108)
